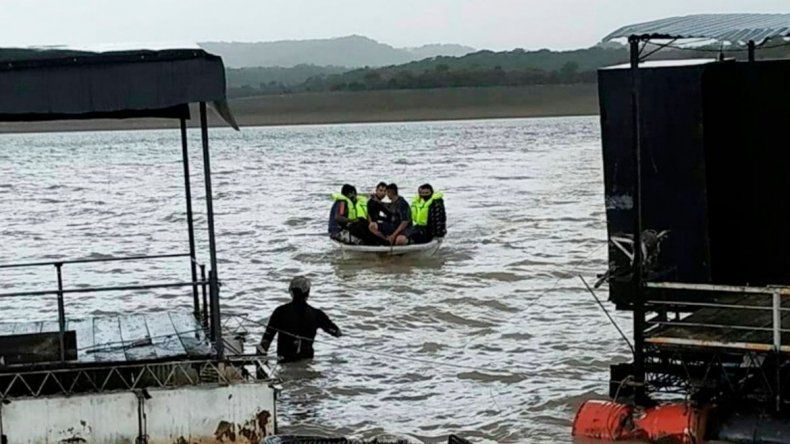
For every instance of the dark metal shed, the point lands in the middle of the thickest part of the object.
(695, 155)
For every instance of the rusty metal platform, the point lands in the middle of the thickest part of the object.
(741, 322)
(128, 338)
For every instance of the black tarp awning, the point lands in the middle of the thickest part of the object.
(54, 85)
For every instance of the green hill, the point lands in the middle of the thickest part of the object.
(352, 51)
(275, 79)
(479, 69)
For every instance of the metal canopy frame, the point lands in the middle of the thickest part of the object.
(734, 28)
(206, 88)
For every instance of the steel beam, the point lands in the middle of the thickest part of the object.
(190, 222)
(213, 275)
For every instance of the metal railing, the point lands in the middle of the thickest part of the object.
(775, 292)
(96, 378)
(60, 291)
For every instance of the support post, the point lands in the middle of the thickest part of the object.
(777, 327)
(205, 295)
(777, 320)
(2, 430)
(751, 47)
(190, 220)
(213, 276)
(61, 314)
(142, 419)
(638, 297)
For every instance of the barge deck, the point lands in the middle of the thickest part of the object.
(126, 338)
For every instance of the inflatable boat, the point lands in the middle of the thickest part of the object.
(421, 250)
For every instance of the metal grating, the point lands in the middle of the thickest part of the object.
(131, 376)
(733, 28)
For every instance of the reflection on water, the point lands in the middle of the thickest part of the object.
(493, 338)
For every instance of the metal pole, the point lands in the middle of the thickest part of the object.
(638, 304)
(750, 45)
(2, 431)
(213, 275)
(142, 426)
(190, 223)
(61, 314)
(777, 324)
(205, 295)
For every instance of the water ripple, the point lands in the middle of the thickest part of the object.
(525, 207)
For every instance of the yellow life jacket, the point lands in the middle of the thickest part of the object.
(362, 207)
(356, 210)
(420, 209)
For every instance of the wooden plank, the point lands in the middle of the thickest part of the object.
(191, 333)
(50, 327)
(164, 336)
(36, 347)
(7, 328)
(738, 337)
(84, 330)
(108, 343)
(21, 328)
(136, 340)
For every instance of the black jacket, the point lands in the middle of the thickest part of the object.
(295, 325)
(437, 219)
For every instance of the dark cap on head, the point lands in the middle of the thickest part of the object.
(299, 287)
(426, 186)
(347, 189)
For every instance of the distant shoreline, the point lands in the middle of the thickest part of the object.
(369, 107)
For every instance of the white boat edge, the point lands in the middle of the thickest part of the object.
(426, 249)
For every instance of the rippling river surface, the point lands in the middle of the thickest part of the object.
(494, 338)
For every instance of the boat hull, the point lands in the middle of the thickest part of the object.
(416, 250)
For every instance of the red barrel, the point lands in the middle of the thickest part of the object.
(673, 423)
(603, 420)
(668, 423)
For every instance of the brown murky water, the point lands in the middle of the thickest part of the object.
(494, 338)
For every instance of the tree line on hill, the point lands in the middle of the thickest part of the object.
(478, 69)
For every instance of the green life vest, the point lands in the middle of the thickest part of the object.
(358, 210)
(362, 207)
(420, 209)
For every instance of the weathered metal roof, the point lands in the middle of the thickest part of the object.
(734, 28)
(38, 85)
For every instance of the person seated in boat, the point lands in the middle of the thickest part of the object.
(295, 324)
(394, 228)
(348, 218)
(428, 217)
(378, 210)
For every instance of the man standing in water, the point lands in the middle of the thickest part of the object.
(295, 325)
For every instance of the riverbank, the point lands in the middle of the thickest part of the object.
(372, 106)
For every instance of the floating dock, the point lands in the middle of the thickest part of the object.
(166, 377)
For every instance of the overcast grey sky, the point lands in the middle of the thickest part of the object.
(490, 24)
